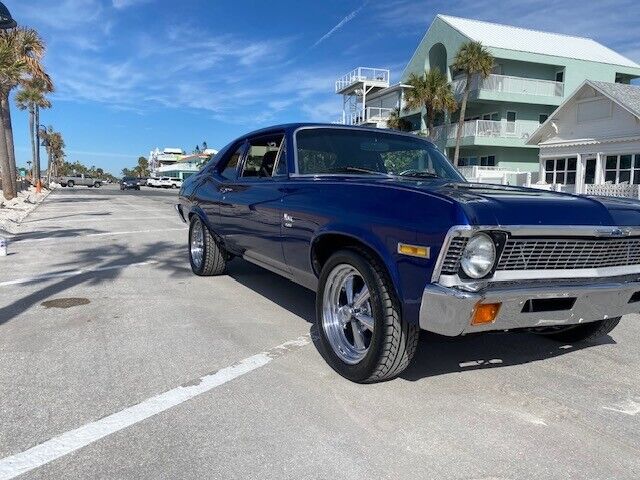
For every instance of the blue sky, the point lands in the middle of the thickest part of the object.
(132, 75)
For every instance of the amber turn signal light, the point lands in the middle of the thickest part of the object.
(485, 313)
(414, 250)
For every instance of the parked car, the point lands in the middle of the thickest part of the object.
(393, 240)
(176, 182)
(129, 183)
(79, 179)
(159, 182)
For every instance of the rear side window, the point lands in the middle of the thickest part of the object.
(231, 168)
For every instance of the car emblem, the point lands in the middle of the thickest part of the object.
(616, 232)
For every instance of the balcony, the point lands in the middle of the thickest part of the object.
(376, 77)
(499, 84)
(370, 115)
(488, 131)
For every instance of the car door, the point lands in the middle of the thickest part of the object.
(225, 182)
(253, 202)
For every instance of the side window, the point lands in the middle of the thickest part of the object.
(262, 156)
(231, 169)
(281, 165)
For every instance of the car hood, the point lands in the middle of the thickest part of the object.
(504, 205)
(485, 204)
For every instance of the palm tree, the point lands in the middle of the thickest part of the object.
(21, 51)
(396, 122)
(32, 97)
(432, 91)
(473, 59)
(54, 144)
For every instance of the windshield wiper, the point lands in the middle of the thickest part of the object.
(361, 170)
(419, 174)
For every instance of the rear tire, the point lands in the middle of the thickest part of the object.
(70, 183)
(586, 332)
(379, 354)
(206, 256)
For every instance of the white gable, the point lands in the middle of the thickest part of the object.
(532, 41)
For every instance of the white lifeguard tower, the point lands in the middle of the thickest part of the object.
(354, 88)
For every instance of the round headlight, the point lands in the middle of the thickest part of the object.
(479, 256)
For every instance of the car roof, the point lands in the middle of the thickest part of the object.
(295, 126)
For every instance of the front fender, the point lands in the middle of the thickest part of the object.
(373, 242)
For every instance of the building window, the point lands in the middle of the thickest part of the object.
(488, 161)
(484, 161)
(543, 117)
(561, 170)
(511, 116)
(560, 76)
(622, 169)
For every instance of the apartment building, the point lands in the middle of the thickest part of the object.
(534, 73)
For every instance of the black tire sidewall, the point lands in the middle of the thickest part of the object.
(197, 270)
(362, 370)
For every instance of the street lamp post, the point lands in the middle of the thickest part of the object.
(6, 20)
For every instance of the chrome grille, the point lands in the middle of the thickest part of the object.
(451, 262)
(568, 254)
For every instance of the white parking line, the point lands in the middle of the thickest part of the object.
(101, 234)
(71, 273)
(66, 443)
(103, 218)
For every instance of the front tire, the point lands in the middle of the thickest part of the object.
(586, 332)
(70, 183)
(206, 256)
(359, 321)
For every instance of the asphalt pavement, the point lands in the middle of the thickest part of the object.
(117, 362)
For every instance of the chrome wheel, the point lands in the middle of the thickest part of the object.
(197, 243)
(347, 317)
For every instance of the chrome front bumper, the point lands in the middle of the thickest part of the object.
(448, 310)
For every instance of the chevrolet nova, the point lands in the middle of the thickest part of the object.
(393, 240)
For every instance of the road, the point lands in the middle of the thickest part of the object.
(117, 362)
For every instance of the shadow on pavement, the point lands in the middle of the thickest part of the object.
(57, 217)
(55, 233)
(105, 264)
(438, 355)
(290, 296)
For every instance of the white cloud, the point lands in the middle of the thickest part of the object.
(119, 4)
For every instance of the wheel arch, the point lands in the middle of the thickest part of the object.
(328, 242)
(197, 211)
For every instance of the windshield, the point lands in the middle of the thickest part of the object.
(362, 152)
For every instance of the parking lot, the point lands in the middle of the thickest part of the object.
(117, 362)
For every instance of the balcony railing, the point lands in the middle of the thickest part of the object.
(363, 74)
(369, 115)
(508, 84)
(486, 128)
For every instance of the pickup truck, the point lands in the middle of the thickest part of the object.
(79, 179)
(393, 240)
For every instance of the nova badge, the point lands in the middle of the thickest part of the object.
(616, 232)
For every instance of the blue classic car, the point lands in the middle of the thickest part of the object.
(393, 240)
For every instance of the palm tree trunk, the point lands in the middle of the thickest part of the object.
(37, 142)
(8, 131)
(431, 118)
(463, 108)
(32, 133)
(8, 180)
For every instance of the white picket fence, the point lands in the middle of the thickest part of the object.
(613, 190)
